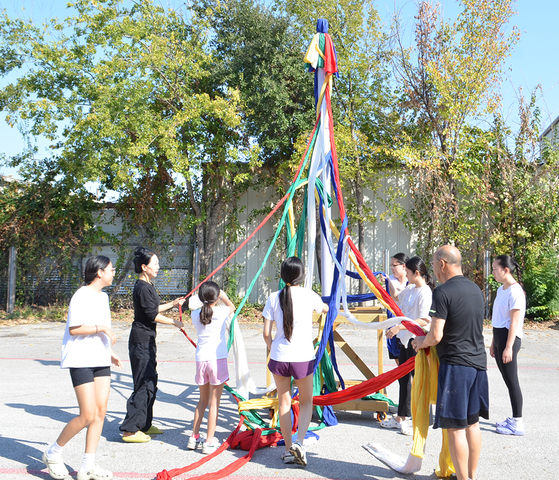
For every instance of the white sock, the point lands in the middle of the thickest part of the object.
(519, 423)
(88, 462)
(54, 451)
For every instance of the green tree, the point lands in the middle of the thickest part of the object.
(126, 95)
(50, 219)
(258, 54)
(450, 76)
(525, 201)
(369, 127)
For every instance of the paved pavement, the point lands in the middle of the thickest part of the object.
(37, 400)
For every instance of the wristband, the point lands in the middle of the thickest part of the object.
(96, 329)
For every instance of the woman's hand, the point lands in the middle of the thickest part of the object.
(178, 301)
(392, 332)
(107, 331)
(507, 355)
(115, 360)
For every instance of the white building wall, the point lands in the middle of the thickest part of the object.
(384, 234)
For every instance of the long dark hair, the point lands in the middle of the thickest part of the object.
(293, 274)
(92, 266)
(208, 293)
(416, 264)
(142, 256)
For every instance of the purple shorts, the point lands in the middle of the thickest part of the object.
(214, 372)
(297, 370)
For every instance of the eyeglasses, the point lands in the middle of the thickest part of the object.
(113, 269)
(396, 265)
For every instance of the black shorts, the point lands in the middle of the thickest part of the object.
(462, 396)
(87, 374)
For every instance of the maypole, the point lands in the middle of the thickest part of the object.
(322, 59)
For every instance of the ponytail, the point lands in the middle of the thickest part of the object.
(286, 304)
(416, 264)
(293, 274)
(208, 294)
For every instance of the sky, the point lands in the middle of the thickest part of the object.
(532, 63)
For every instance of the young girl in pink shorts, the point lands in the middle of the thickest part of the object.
(211, 361)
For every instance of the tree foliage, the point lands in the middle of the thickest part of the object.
(127, 95)
(51, 222)
(450, 75)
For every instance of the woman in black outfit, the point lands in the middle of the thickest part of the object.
(137, 426)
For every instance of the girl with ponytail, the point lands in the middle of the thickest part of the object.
(507, 321)
(211, 361)
(292, 351)
(415, 303)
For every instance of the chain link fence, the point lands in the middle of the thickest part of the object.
(52, 286)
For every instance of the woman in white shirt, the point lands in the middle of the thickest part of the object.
(398, 281)
(507, 320)
(292, 351)
(87, 352)
(415, 303)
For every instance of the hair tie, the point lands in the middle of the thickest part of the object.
(288, 284)
(205, 301)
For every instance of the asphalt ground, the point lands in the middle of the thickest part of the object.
(37, 400)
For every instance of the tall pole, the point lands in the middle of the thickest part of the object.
(487, 267)
(12, 280)
(326, 260)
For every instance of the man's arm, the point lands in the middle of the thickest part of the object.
(433, 337)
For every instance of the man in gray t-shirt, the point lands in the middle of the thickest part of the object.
(457, 331)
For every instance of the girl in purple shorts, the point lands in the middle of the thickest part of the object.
(211, 361)
(292, 351)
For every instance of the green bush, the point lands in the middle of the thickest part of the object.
(542, 286)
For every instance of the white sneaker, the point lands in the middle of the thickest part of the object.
(194, 443)
(299, 454)
(208, 448)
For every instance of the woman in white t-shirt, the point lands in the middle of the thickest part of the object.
(398, 281)
(415, 303)
(87, 352)
(507, 320)
(292, 351)
(211, 361)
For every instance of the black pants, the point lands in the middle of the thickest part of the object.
(139, 408)
(404, 401)
(509, 371)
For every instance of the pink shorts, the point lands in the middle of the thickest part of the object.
(214, 372)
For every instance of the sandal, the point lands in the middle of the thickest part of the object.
(391, 423)
(153, 430)
(56, 467)
(96, 473)
(138, 437)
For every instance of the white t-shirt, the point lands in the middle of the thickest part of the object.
(415, 302)
(398, 286)
(91, 308)
(512, 298)
(212, 338)
(300, 348)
